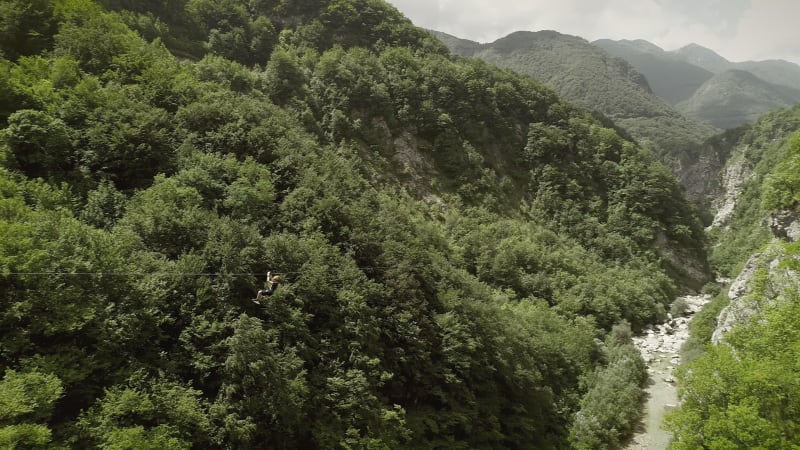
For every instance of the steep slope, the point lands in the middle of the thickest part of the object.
(590, 77)
(567, 63)
(735, 390)
(733, 98)
(464, 254)
(670, 78)
(782, 74)
(755, 150)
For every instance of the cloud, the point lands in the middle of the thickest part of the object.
(737, 29)
(768, 29)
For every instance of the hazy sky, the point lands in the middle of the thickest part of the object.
(739, 30)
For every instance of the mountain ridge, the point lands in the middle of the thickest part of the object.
(594, 79)
(681, 76)
(671, 79)
(733, 98)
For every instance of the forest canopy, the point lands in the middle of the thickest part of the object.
(464, 254)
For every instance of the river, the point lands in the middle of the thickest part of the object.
(660, 347)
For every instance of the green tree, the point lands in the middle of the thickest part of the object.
(95, 40)
(26, 27)
(126, 141)
(781, 188)
(148, 413)
(26, 403)
(609, 409)
(39, 144)
(169, 218)
(284, 78)
(265, 383)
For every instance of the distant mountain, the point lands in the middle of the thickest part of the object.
(705, 86)
(703, 57)
(456, 45)
(733, 98)
(590, 77)
(572, 67)
(780, 73)
(670, 78)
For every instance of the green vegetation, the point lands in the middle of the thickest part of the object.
(702, 327)
(611, 406)
(733, 98)
(600, 82)
(766, 152)
(742, 392)
(669, 77)
(24, 398)
(781, 188)
(457, 242)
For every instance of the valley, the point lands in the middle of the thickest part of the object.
(452, 244)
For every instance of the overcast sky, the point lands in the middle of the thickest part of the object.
(739, 30)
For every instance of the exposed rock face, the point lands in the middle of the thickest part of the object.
(785, 225)
(699, 179)
(737, 310)
(733, 178)
(742, 304)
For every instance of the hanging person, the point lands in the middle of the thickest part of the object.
(273, 285)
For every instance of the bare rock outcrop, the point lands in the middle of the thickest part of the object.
(735, 174)
(785, 225)
(737, 310)
(743, 304)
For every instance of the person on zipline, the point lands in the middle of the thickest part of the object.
(273, 284)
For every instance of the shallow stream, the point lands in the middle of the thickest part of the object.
(660, 347)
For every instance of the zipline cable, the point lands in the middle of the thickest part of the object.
(185, 274)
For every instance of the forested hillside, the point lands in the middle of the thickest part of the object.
(756, 151)
(733, 98)
(464, 255)
(707, 87)
(587, 75)
(742, 391)
(671, 78)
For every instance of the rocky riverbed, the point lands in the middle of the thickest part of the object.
(660, 346)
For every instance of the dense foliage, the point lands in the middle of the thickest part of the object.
(742, 392)
(585, 74)
(456, 241)
(769, 158)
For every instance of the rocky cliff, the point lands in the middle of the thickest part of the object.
(764, 278)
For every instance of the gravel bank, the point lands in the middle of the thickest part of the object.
(660, 346)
